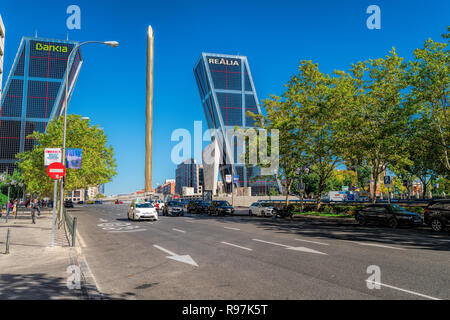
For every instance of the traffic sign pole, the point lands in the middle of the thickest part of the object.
(55, 171)
(54, 212)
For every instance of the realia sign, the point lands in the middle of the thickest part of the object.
(226, 62)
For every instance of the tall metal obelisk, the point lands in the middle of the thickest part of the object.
(149, 112)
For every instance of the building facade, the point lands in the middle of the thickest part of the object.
(167, 188)
(187, 174)
(227, 93)
(2, 52)
(34, 93)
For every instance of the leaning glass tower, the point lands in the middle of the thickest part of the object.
(34, 93)
(227, 92)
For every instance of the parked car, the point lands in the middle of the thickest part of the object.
(68, 204)
(139, 211)
(437, 215)
(173, 208)
(220, 208)
(391, 215)
(198, 206)
(263, 209)
(80, 202)
(98, 202)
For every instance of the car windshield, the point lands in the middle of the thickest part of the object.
(175, 204)
(222, 203)
(397, 208)
(144, 205)
(266, 205)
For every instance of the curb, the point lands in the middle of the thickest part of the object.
(89, 288)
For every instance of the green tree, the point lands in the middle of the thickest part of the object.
(98, 165)
(383, 119)
(428, 77)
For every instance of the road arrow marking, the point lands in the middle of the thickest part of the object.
(185, 259)
(103, 220)
(302, 249)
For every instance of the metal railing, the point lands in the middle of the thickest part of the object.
(71, 224)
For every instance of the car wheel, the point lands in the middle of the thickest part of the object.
(436, 225)
(361, 220)
(393, 223)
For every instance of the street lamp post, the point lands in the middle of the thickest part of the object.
(112, 44)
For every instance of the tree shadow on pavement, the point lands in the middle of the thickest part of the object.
(421, 238)
(44, 287)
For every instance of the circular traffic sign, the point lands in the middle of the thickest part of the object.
(56, 170)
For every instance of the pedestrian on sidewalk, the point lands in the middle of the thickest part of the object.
(34, 206)
(8, 209)
(15, 208)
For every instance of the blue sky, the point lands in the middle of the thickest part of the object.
(274, 35)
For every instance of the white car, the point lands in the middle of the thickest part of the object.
(262, 209)
(139, 211)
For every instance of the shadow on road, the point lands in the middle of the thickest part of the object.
(421, 238)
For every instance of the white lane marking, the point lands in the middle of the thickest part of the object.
(178, 230)
(232, 228)
(135, 230)
(321, 243)
(103, 220)
(302, 249)
(235, 245)
(185, 259)
(404, 290)
(376, 245)
(275, 244)
(191, 221)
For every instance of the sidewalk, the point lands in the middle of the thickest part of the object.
(34, 270)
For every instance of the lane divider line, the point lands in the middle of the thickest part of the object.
(404, 290)
(178, 230)
(229, 228)
(235, 245)
(315, 242)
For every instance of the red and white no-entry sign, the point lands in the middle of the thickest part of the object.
(56, 170)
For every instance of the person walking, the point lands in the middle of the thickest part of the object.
(8, 209)
(34, 206)
(15, 203)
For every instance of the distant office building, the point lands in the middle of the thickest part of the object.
(34, 93)
(227, 92)
(2, 52)
(187, 174)
(167, 188)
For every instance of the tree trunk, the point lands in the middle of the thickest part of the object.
(319, 194)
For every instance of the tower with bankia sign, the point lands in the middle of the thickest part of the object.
(227, 92)
(34, 93)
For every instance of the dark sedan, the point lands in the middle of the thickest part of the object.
(437, 215)
(198, 206)
(391, 215)
(220, 208)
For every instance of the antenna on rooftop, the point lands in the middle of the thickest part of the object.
(67, 35)
(35, 34)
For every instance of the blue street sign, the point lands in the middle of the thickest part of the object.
(73, 158)
(387, 180)
(236, 179)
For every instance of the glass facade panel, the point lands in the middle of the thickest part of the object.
(9, 139)
(231, 108)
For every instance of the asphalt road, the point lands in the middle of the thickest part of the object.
(243, 257)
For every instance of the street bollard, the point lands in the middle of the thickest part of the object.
(8, 236)
(74, 231)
